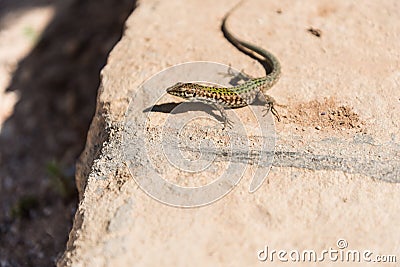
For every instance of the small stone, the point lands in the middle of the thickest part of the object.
(314, 31)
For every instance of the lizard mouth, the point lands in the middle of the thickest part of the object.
(175, 90)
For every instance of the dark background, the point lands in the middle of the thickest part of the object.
(39, 144)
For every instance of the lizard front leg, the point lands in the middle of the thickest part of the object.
(218, 107)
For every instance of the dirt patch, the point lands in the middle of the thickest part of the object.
(325, 115)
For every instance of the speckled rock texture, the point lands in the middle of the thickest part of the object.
(336, 170)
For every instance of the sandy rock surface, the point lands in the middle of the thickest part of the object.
(336, 169)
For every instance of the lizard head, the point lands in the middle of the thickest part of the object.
(185, 90)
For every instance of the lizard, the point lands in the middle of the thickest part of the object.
(239, 95)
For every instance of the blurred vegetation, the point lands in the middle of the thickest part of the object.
(61, 182)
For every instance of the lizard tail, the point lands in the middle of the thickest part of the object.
(267, 59)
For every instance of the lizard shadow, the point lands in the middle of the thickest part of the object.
(182, 107)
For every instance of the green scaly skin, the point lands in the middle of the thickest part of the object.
(240, 95)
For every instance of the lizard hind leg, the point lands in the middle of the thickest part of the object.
(270, 106)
